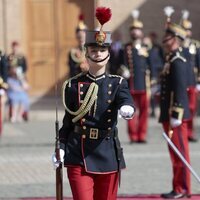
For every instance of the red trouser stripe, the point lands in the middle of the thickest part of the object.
(192, 95)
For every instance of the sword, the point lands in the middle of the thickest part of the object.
(174, 148)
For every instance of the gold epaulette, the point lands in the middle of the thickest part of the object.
(114, 76)
(178, 56)
(89, 100)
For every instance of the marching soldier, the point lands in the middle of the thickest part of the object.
(136, 59)
(89, 141)
(190, 50)
(174, 107)
(76, 58)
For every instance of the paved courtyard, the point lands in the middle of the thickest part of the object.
(26, 148)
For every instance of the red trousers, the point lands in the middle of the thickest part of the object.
(181, 174)
(137, 126)
(87, 186)
(192, 95)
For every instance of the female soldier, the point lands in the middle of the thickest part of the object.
(90, 146)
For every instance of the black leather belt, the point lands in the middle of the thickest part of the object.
(93, 133)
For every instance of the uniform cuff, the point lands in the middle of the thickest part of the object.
(177, 113)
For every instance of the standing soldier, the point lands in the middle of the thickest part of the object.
(3, 86)
(3, 66)
(88, 137)
(115, 54)
(190, 49)
(76, 58)
(135, 57)
(17, 59)
(156, 62)
(174, 107)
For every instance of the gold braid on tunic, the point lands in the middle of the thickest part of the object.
(88, 102)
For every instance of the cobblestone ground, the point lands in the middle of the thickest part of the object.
(26, 169)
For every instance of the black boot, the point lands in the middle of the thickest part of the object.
(174, 195)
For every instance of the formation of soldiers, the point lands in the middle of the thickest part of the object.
(141, 62)
(167, 75)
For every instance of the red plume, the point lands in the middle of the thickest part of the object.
(81, 17)
(103, 14)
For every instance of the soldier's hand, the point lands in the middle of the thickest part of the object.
(126, 111)
(175, 122)
(56, 162)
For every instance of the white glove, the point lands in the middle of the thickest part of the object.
(126, 111)
(55, 162)
(198, 87)
(175, 122)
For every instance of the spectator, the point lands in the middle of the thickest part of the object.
(17, 95)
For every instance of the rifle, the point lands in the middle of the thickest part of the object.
(59, 171)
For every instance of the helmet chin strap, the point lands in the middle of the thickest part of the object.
(97, 61)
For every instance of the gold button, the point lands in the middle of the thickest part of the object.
(109, 101)
(110, 85)
(109, 128)
(84, 127)
(81, 93)
(109, 92)
(81, 85)
(109, 120)
(109, 110)
(83, 120)
(83, 136)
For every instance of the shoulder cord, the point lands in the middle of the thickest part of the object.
(88, 101)
(92, 100)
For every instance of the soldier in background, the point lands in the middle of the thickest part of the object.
(191, 51)
(3, 85)
(136, 59)
(76, 58)
(17, 59)
(3, 66)
(174, 105)
(116, 60)
(156, 63)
